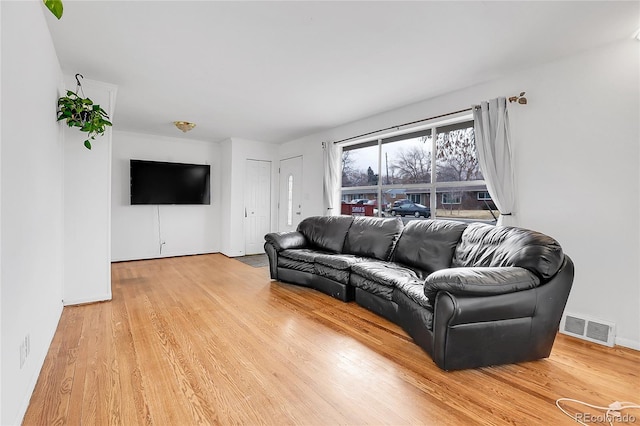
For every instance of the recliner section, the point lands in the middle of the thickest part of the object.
(469, 295)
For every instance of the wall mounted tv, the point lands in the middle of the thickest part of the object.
(154, 182)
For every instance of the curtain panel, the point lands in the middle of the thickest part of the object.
(331, 181)
(493, 145)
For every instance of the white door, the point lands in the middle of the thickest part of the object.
(257, 205)
(290, 206)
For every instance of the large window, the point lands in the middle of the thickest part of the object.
(402, 174)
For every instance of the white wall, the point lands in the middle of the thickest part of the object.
(87, 201)
(576, 147)
(235, 152)
(185, 229)
(31, 256)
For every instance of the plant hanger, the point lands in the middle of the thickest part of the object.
(80, 111)
(78, 84)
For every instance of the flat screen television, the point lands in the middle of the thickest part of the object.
(155, 182)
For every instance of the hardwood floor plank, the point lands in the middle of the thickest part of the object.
(210, 340)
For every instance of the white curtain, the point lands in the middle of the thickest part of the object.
(331, 155)
(493, 142)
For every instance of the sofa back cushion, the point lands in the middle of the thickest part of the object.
(373, 236)
(428, 245)
(487, 245)
(326, 232)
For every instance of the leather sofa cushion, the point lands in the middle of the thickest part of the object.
(414, 290)
(298, 259)
(339, 275)
(385, 273)
(481, 281)
(296, 265)
(373, 287)
(487, 245)
(301, 255)
(414, 317)
(373, 237)
(336, 266)
(326, 232)
(428, 245)
(339, 261)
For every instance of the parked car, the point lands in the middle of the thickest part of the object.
(411, 209)
(364, 201)
(398, 203)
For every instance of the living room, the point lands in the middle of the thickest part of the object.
(576, 162)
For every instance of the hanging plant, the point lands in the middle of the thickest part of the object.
(55, 6)
(83, 113)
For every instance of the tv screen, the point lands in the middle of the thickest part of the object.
(154, 182)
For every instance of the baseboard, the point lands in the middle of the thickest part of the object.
(71, 302)
(628, 343)
(232, 254)
(158, 256)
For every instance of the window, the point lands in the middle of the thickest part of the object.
(436, 167)
(290, 200)
(415, 198)
(451, 198)
(483, 196)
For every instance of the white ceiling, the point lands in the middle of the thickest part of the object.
(276, 71)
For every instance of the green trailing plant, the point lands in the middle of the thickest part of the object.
(55, 6)
(84, 114)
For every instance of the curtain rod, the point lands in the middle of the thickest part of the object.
(520, 99)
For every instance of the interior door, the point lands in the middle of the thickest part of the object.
(257, 205)
(290, 205)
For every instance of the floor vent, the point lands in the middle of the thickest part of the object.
(593, 330)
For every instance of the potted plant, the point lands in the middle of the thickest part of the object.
(83, 113)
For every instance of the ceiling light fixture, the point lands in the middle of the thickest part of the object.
(185, 126)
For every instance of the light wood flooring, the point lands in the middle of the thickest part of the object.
(210, 340)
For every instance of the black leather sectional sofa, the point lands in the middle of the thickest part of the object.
(470, 295)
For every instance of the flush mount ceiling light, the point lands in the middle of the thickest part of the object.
(185, 126)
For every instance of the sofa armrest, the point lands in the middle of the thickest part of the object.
(474, 331)
(454, 310)
(286, 240)
(470, 332)
(479, 281)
